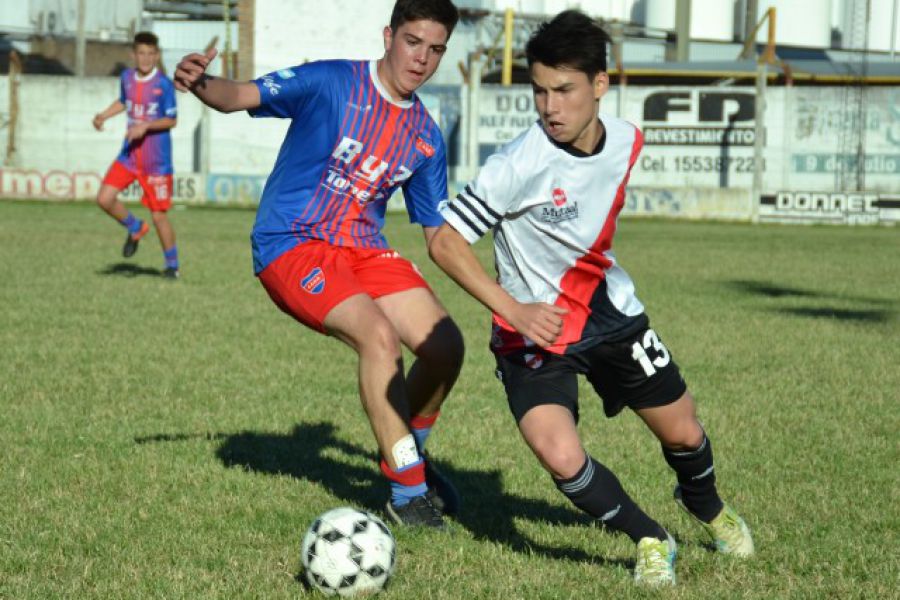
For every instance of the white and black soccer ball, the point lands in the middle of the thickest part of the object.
(348, 551)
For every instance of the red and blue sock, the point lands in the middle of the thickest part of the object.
(131, 223)
(421, 428)
(406, 483)
(171, 257)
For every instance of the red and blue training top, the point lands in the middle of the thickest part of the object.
(348, 148)
(147, 99)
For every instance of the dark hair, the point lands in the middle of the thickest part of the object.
(441, 11)
(571, 39)
(146, 38)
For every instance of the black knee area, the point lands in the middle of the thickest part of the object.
(697, 479)
(597, 491)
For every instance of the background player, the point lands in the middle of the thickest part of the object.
(564, 307)
(148, 96)
(358, 132)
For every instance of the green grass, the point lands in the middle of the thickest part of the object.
(174, 439)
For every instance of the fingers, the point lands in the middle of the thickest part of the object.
(135, 133)
(191, 68)
(542, 323)
(544, 330)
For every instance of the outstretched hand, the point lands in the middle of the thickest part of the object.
(540, 322)
(192, 69)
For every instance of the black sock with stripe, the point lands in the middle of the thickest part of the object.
(597, 491)
(697, 479)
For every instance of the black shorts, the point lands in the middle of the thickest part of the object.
(637, 372)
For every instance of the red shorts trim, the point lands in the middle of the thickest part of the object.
(309, 280)
(157, 188)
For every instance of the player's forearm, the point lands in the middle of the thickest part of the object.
(452, 253)
(226, 95)
(161, 124)
(111, 110)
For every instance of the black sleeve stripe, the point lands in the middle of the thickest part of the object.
(474, 211)
(490, 211)
(465, 219)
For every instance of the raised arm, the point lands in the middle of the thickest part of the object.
(224, 95)
(540, 322)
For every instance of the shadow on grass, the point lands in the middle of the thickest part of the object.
(129, 270)
(772, 290)
(311, 453)
(869, 316)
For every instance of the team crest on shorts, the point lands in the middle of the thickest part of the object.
(314, 283)
(534, 361)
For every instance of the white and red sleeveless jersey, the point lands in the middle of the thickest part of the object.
(553, 215)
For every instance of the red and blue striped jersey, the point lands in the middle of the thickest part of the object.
(148, 99)
(348, 148)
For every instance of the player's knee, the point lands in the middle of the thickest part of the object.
(159, 217)
(447, 347)
(105, 201)
(683, 436)
(562, 460)
(444, 347)
(381, 339)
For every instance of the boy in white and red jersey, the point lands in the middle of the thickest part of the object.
(358, 132)
(563, 306)
(148, 98)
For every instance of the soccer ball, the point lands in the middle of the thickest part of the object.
(348, 551)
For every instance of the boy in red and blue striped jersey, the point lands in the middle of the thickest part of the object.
(358, 132)
(148, 98)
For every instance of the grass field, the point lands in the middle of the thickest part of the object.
(174, 439)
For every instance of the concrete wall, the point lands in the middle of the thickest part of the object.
(685, 169)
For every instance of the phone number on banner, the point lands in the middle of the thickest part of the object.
(699, 164)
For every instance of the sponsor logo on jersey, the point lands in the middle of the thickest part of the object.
(360, 107)
(269, 83)
(424, 147)
(559, 213)
(559, 196)
(314, 283)
(285, 73)
(157, 92)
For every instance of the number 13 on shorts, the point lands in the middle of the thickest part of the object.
(639, 353)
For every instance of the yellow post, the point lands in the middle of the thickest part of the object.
(769, 54)
(507, 48)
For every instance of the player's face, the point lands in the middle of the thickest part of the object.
(145, 58)
(568, 103)
(411, 56)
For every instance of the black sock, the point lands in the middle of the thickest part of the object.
(597, 491)
(697, 479)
